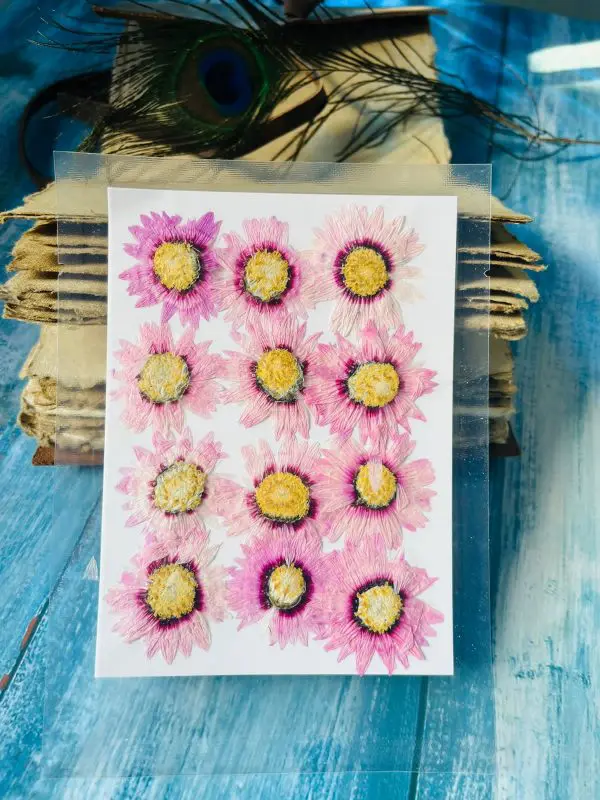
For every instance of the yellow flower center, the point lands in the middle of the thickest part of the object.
(364, 271)
(378, 607)
(286, 586)
(374, 385)
(177, 265)
(283, 497)
(266, 275)
(179, 488)
(171, 592)
(279, 374)
(164, 378)
(375, 485)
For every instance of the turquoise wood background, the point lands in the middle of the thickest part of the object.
(545, 573)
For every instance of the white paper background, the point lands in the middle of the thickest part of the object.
(432, 320)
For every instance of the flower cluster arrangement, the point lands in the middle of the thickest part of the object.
(321, 528)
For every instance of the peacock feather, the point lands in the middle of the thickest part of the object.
(220, 81)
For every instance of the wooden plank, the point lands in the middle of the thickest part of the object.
(458, 732)
(547, 504)
(212, 725)
(21, 712)
(34, 551)
(26, 773)
(457, 746)
(32, 557)
(547, 566)
(457, 786)
(334, 725)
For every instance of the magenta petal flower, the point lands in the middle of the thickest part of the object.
(264, 275)
(169, 598)
(370, 606)
(176, 266)
(372, 387)
(374, 492)
(279, 576)
(173, 488)
(367, 261)
(285, 495)
(271, 375)
(161, 378)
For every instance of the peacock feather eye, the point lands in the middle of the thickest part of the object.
(221, 80)
(223, 77)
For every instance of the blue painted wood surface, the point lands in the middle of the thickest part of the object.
(546, 536)
(66, 737)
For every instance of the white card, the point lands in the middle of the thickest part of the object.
(278, 453)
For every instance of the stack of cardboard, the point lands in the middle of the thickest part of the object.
(63, 399)
(500, 302)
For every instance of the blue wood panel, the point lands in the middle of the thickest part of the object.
(544, 538)
(39, 545)
(546, 504)
(209, 725)
(457, 753)
(26, 535)
(21, 723)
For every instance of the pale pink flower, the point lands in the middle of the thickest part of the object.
(279, 576)
(371, 387)
(366, 264)
(376, 491)
(172, 488)
(161, 379)
(284, 495)
(271, 375)
(370, 606)
(264, 275)
(170, 597)
(175, 265)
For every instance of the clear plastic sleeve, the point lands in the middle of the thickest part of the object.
(426, 733)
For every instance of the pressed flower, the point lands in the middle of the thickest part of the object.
(176, 265)
(368, 263)
(371, 605)
(284, 496)
(170, 597)
(161, 378)
(263, 275)
(372, 387)
(278, 576)
(173, 488)
(375, 491)
(271, 375)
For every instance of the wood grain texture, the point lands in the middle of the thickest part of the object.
(40, 544)
(545, 525)
(64, 735)
(27, 495)
(210, 725)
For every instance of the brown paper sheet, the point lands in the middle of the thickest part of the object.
(72, 354)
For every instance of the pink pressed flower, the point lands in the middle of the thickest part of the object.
(263, 274)
(173, 488)
(373, 386)
(367, 263)
(176, 266)
(169, 598)
(285, 496)
(161, 378)
(376, 491)
(272, 374)
(370, 605)
(279, 576)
